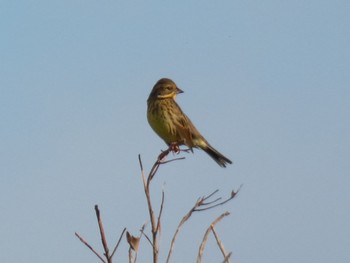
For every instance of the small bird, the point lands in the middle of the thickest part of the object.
(172, 125)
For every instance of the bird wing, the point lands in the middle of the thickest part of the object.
(184, 127)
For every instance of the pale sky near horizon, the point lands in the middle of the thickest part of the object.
(266, 82)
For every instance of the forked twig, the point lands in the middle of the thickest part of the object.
(202, 204)
(150, 208)
(209, 205)
(160, 160)
(155, 222)
(103, 239)
(205, 238)
(197, 208)
(220, 244)
(183, 220)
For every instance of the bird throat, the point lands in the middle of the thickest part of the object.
(167, 96)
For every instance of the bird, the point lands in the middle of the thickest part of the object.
(172, 125)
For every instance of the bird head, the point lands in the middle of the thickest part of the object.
(165, 89)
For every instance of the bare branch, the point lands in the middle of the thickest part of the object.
(150, 208)
(220, 244)
(153, 172)
(116, 246)
(171, 160)
(227, 258)
(103, 239)
(155, 223)
(210, 204)
(201, 202)
(142, 172)
(213, 193)
(130, 255)
(149, 240)
(182, 222)
(102, 233)
(160, 160)
(205, 238)
(160, 213)
(184, 219)
(90, 247)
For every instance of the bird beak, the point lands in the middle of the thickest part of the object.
(178, 91)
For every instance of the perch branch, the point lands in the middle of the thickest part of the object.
(150, 208)
(155, 222)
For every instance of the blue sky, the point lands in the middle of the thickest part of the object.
(266, 82)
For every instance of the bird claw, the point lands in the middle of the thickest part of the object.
(174, 147)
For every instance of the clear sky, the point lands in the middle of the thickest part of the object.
(266, 82)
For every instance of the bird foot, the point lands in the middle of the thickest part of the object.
(175, 148)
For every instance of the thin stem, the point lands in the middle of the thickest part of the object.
(150, 210)
(227, 258)
(160, 212)
(201, 202)
(116, 246)
(220, 244)
(102, 233)
(90, 247)
(205, 238)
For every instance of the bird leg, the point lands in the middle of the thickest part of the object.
(174, 147)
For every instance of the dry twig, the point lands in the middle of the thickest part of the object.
(220, 244)
(205, 238)
(202, 204)
(227, 258)
(155, 223)
(103, 240)
(102, 233)
(146, 183)
(116, 246)
(90, 247)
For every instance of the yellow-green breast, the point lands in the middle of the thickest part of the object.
(161, 120)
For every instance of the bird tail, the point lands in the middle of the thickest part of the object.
(217, 157)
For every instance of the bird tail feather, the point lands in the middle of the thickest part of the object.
(217, 156)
